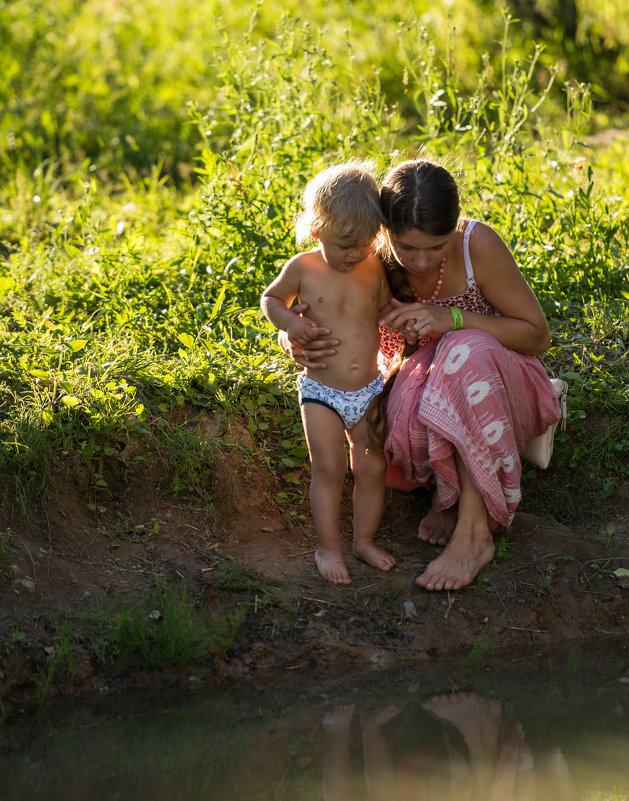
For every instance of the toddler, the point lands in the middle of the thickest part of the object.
(343, 282)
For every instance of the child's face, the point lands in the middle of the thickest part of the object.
(343, 253)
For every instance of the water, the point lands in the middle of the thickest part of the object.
(430, 733)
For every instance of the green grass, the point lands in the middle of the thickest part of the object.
(151, 170)
(59, 661)
(482, 650)
(6, 543)
(163, 630)
(110, 87)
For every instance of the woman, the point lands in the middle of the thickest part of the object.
(462, 406)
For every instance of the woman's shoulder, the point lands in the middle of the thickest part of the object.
(481, 234)
(487, 249)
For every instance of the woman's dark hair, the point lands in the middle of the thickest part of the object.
(420, 194)
(417, 194)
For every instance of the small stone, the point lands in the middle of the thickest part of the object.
(410, 609)
(381, 659)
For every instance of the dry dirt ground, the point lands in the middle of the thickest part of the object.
(549, 586)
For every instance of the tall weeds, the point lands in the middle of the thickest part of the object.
(122, 302)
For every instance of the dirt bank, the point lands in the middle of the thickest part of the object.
(548, 585)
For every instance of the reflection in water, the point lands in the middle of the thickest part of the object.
(493, 764)
(372, 738)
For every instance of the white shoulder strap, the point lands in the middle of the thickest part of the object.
(469, 270)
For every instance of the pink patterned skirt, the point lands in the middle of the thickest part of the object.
(466, 392)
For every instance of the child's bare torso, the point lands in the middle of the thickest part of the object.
(347, 303)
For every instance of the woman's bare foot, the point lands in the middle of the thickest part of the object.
(477, 718)
(469, 550)
(331, 566)
(373, 555)
(437, 527)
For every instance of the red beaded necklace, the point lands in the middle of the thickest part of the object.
(437, 287)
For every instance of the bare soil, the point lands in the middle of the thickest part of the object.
(549, 586)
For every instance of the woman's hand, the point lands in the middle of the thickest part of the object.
(316, 350)
(418, 320)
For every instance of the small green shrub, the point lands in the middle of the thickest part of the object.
(164, 630)
(59, 662)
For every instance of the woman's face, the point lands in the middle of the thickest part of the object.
(417, 252)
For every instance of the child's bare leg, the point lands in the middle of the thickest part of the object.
(368, 468)
(337, 769)
(325, 435)
(471, 546)
(379, 766)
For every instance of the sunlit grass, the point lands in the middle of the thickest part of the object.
(126, 295)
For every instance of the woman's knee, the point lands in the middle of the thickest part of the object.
(470, 346)
(473, 337)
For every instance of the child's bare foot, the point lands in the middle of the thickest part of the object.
(331, 566)
(469, 550)
(373, 555)
(339, 718)
(381, 717)
(437, 527)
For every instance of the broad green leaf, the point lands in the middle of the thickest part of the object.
(6, 285)
(621, 572)
(186, 340)
(77, 344)
(70, 400)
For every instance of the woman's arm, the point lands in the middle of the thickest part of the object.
(522, 325)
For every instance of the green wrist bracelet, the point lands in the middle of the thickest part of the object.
(457, 318)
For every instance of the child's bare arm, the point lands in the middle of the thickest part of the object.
(384, 298)
(300, 330)
(384, 310)
(276, 300)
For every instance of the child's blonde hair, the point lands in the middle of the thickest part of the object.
(344, 199)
